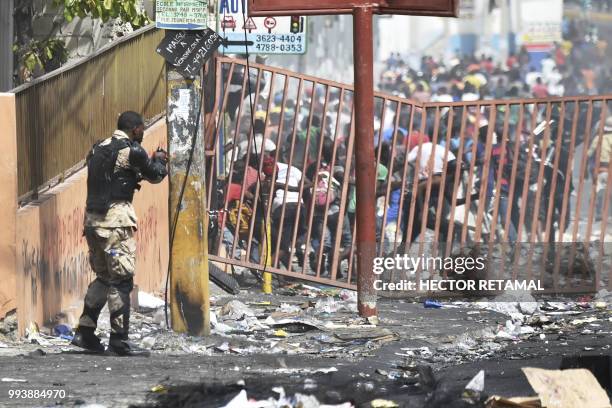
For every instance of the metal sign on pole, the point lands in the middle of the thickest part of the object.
(365, 170)
(187, 51)
(183, 14)
(264, 35)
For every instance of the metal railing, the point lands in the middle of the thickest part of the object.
(60, 115)
(505, 178)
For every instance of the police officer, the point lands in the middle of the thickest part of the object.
(115, 167)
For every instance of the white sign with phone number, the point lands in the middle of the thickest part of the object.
(264, 35)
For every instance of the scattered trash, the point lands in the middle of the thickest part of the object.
(33, 335)
(365, 334)
(37, 353)
(310, 384)
(348, 295)
(297, 325)
(528, 308)
(280, 333)
(62, 330)
(8, 324)
(235, 310)
(289, 309)
(326, 370)
(432, 304)
(567, 388)
(381, 403)
(600, 305)
(241, 400)
(373, 320)
(476, 384)
(330, 305)
(148, 301)
(159, 388)
(515, 402)
(148, 342)
(426, 378)
(579, 322)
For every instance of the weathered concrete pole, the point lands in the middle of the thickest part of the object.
(189, 291)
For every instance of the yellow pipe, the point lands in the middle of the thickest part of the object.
(267, 276)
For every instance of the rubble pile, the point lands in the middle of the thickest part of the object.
(8, 329)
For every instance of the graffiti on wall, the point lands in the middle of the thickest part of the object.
(61, 261)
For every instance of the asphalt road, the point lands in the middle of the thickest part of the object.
(211, 381)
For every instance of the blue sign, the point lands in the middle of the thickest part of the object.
(259, 35)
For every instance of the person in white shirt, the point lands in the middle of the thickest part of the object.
(287, 197)
(427, 149)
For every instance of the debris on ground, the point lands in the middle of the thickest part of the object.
(432, 304)
(567, 388)
(515, 402)
(321, 322)
(241, 400)
(147, 301)
(8, 324)
(381, 403)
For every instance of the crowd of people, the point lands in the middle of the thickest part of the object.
(292, 158)
(303, 179)
(577, 65)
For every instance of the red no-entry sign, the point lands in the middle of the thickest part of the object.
(270, 23)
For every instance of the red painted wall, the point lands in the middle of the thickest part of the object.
(52, 265)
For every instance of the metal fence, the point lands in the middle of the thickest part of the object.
(520, 182)
(60, 115)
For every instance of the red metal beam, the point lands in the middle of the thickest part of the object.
(365, 162)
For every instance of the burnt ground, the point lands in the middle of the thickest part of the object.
(459, 341)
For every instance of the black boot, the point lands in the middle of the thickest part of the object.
(85, 338)
(118, 344)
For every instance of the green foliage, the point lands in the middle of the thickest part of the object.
(49, 54)
(45, 55)
(126, 10)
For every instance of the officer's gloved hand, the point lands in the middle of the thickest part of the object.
(160, 155)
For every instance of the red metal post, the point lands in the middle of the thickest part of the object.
(365, 169)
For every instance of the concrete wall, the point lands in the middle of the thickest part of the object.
(6, 45)
(52, 265)
(8, 202)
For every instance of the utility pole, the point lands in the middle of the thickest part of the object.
(186, 47)
(189, 288)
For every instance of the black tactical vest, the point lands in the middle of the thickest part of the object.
(104, 185)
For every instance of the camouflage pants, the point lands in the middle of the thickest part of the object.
(112, 256)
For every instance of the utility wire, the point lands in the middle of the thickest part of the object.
(263, 138)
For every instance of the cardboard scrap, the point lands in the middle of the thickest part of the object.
(515, 402)
(567, 388)
(364, 334)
